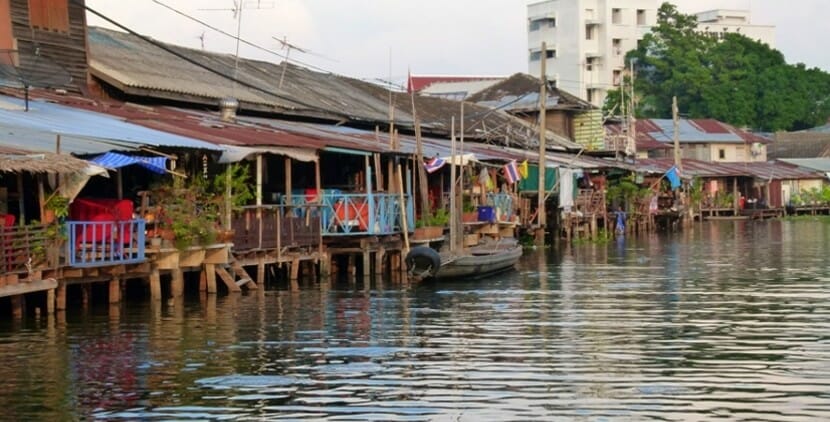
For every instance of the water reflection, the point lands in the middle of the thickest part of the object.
(725, 320)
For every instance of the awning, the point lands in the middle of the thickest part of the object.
(460, 160)
(233, 154)
(114, 160)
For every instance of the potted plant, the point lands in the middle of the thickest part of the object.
(469, 212)
(55, 208)
(431, 226)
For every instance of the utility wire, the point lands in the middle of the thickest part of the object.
(205, 67)
(248, 43)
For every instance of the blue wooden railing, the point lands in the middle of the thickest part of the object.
(352, 214)
(102, 243)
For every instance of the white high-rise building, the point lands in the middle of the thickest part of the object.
(718, 22)
(586, 41)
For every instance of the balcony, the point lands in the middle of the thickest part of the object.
(104, 243)
(275, 227)
(357, 214)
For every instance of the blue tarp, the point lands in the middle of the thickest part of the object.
(114, 160)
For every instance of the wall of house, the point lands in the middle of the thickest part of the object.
(54, 54)
(582, 66)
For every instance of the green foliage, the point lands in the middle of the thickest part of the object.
(188, 209)
(626, 193)
(241, 192)
(440, 218)
(732, 79)
(59, 204)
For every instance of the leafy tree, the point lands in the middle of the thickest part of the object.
(732, 79)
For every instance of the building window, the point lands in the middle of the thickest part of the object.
(52, 15)
(641, 17)
(550, 54)
(616, 45)
(617, 77)
(616, 16)
(589, 95)
(589, 32)
(722, 154)
(590, 63)
(535, 56)
(538, 24)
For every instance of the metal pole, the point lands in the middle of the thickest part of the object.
(543, 93)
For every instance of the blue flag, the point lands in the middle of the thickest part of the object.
(674, 177)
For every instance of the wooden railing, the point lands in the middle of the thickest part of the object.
(351, 214)
(276, 227)
(102, 243)
(27, 247)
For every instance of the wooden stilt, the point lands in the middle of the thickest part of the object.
(155, 284)
(115, 290)
(85, 295)
(60, 299)
(380, 255)
(367, 265)
(295, 269)
(210, 275)
(50, 301)
(177, 283)
(260, 272)
(203, 281)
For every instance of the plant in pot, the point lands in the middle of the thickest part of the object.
(431, 226)
(55, 208)
(469, 213)
(236, 179)
(186, 213)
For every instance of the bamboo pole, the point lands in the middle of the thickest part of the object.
(404, 222)
(540, 205)
(423, 189)
(453, 216)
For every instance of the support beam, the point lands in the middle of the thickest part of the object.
(230, 283)
(155, 284)
(60, 296)
(210, 275)
(50, 302)
(177, 283)
(115, 290)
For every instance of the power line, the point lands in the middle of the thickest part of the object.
(248, 43)
(203, 66)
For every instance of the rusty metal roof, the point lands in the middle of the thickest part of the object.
(760, 170)
(520, 93)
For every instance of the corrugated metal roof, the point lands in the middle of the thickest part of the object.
(82, 131)
(657, 133)
(520, 92)
(817, 164)
(759, 170)
(137, 67)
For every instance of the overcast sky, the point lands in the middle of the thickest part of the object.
(361, 38)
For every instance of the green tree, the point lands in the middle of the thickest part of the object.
(730, 78)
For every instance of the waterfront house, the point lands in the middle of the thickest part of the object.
(699, 139)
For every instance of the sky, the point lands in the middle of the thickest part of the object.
(379, 39)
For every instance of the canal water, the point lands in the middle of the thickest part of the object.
(730, 319)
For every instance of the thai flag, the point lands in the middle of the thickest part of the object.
(434, 164)
(511, 172)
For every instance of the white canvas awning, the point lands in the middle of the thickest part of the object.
(233, 154)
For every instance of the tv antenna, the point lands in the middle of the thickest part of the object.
(202, 39)
(45, 73)
(238, 7)
(287, 46)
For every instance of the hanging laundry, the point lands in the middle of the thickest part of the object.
(484, 179)
(674, 177)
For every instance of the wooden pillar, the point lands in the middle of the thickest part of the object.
(155, 284)
(367, 265)
(380, 256)
(203, 281)
(50, 302)
(325, 265)
(85, 295)
(260, 272)
(210, 275)
(115, 290)
(288, 183)
(177, 283)
(60, 299)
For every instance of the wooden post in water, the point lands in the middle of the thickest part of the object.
(453, 216)
(543, 94)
